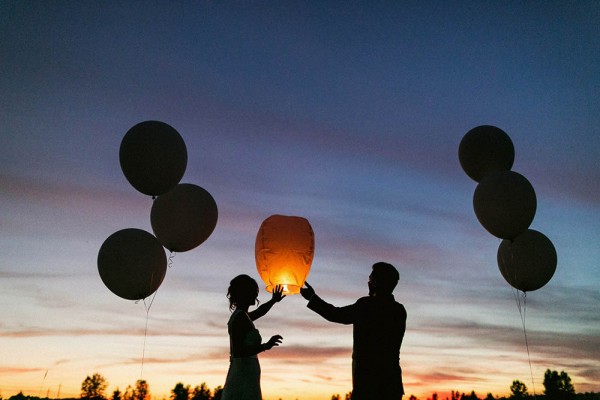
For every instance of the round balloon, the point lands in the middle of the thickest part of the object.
(485, 149)
(505, 204)
(153, 157)
(132, 263)
(528, 262)
(184, 217)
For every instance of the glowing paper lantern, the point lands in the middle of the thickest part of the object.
(528, 262)
(485, 149)
(184, 217)
(153, 157)
(132, 263)
(505, 204)
(284, 250)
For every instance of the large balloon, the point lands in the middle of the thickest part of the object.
(284, 250)
(528, 262)
(132, 263)
(505, 204)
(153, 157)
(184, 217)
(484, 150)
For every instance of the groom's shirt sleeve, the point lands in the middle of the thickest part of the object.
(341, 315)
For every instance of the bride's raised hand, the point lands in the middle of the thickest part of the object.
(278, 294)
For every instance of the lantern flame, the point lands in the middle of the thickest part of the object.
(284, 251)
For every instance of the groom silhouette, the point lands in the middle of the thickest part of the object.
(379, 322)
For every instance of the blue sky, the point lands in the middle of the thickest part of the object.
(347, 113)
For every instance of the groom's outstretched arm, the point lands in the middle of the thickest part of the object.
(341, 315)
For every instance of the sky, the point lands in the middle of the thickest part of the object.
(349, 114)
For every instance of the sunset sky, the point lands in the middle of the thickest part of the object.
(347, 113)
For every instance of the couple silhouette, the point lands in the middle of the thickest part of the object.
(378, 320)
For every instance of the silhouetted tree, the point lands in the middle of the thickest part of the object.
(518, 390)
(558, 386)
(490, 397)
(348, 396)
(141, 391)
(471, 396)
(454, 395)
(128, 394)
(117, 395)
(19, 396)
(201, 392)
(588, 396)
(218, 393)
(412, 397)
(180, 392)
(93, 387)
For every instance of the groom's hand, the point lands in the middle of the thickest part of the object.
(307, 292)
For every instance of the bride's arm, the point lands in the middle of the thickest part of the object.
(265, 307)
(241, 346)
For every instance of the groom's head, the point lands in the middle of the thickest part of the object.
(383, 279)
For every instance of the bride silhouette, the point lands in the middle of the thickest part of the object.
(243, 377)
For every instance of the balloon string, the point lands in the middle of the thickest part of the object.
(147, 307)
(522, 313)
(43, 380)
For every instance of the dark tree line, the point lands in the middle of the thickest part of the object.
(348, 396)
(557, 386)
(202, 392)
(93, 388)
